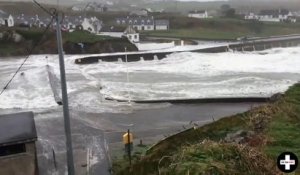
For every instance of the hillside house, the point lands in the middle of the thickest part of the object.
(144, 23)
(69, 24)
(138, 23)
(279, 15)
(141, 12)
(251, 16)
(32, 21)
(198, 14)
(93, 25)
(162, 24)
(18, 153)
(6, 20)
(132, 35)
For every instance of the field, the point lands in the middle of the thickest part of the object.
(247, 143)
(221, 28)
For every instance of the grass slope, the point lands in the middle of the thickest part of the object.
(221, 28)
(275, 128)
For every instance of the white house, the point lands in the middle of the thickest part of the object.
(251, 16)
(279, 15)
(92, 25)
(198, 14)
(144, 23)
(162, 24)
(139, 23)
(132, 35)
(6, 20)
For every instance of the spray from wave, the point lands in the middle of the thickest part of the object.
(180, 75)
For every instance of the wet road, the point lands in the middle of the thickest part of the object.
(101, 133)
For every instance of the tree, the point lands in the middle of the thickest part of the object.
(230, 13)
(225, 7)
(227, 11)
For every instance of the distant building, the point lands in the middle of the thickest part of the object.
(17, 144)
(279, 15)
(198, 14)
(162, 24)
(72, 23)
(92, 25)
(69, 24)
(6, 20)
(32, 21)
(139, 23)
(251, 16)
(132, 35)
(90, 6)
(141, 12)
(144, 23)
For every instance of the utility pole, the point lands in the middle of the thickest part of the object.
(127, 75)
(70, 161)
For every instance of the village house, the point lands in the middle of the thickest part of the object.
(251, 16)
(132, 35)
(139, 23)
(72, 23)
(198, 14)
(144, 23)
(6, 20)
(162, 24)
(31, 21)
(141, 12)
(93, 25)
(280, 15)
(273, 15)
(69, 24)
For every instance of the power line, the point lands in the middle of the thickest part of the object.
(44, 9)
(29, 53)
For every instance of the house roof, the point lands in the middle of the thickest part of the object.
(17, 128)
(274, 12)
(136, 20)
(23, 19)
(162, 22)
(73, 20)
(141, 12)
(197, 11)
(130, 30)
(3, 14)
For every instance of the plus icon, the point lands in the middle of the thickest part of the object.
(287, 162)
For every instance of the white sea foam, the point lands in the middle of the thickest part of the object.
(180, 75)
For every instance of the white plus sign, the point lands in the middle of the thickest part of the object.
(287, 162)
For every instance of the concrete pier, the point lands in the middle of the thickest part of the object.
(55, 85)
